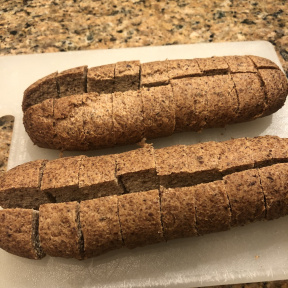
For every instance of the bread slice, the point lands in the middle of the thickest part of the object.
(127, 75)
(39, 123)
(72, 81)
(251, 96)
(181, 68)
(213, 65)
(191, 103)
(222, 101)
(240, 64)
(97, 177)
(127, 117)
(19, 233)
(246, 197)
(172, 166)
(158, 111)
(100, 79)
(40, 90)
(61, 179)
(154, 74)
(212, 207)
(140, 218)
(275, 87)
(267, 150)
(178, 213)
(136, 169)
(100, 225)
(275, 189)
(69, 122)
(263, 63)
(59, 230)
(20, 186)
(203, 162)
(236, 155)
(97, 120)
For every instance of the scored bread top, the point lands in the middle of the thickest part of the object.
(131, 75)
(81, 178)
(213, 92)
(93, 227)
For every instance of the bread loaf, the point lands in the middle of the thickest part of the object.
(93, 227)
(122, 103)
(81, 178)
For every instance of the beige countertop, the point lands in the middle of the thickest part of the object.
(51, 26)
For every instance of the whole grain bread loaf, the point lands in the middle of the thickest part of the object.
(123, 103)
(93, 227)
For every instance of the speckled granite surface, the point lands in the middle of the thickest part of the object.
(51, 26)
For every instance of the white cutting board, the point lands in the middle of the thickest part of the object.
(257, 252)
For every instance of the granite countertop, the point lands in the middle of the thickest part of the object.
(51, 26)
